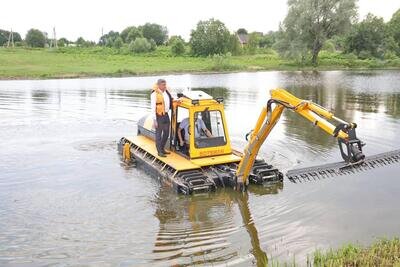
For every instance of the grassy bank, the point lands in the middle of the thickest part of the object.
(383, 252)
(22, 63)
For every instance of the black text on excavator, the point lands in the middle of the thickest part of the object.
(211, 162)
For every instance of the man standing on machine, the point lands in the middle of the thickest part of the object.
(161, 104)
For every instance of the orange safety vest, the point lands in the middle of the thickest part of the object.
(160, 104)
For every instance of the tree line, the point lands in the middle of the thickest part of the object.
(309, 27)
(313, 25)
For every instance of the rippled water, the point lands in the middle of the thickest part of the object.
(65, 198)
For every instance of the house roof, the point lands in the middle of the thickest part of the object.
(243, 38)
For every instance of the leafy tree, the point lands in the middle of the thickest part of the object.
(140, 45)
(174, 38)
(254, 40)
(154, 31)
(241, 31)
(5, 34)
(62, 42)
(108, 38)
(339, 41)
(394, 27)
(234, 45)
(17, 37)
(130, 33)
(309, 23)
(367, 38)
(118, 43)
(35, 38)
(125, 32)
(3, 39)
(210, 37)
(80, 42)
(290, 47)
(268, 40)
(329, 46)
(133, 34)
(177, 46)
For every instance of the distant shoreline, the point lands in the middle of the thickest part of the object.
(111, 75)
(44, 64)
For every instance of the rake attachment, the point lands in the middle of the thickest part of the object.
(343, 168)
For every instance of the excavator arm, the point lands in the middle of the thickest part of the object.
(350, 146)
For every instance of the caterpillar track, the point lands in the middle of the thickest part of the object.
(200, 180)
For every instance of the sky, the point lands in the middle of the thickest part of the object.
(87, 18)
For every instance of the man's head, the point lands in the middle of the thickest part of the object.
(162, 84)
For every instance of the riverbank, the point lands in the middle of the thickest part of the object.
(22, 63)
(383, 252)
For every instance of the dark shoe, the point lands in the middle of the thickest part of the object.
(166, 152)
(162, 155)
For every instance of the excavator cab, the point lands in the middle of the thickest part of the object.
(205, 131)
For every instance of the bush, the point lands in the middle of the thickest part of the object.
(118, 43)
(153, 45)
(174, 38)
(390, 55)
(62, 42)
(329, 46)
(177, 47)
(80, 42)
(140, 45)
(364, 54)
(20, 44)
(35, 38)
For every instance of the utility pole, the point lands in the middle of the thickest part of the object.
(102, 33)
(54, 40)
(10, 39)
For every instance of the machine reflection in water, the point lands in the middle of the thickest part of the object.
(207, 229)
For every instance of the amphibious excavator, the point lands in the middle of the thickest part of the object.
(212, 162)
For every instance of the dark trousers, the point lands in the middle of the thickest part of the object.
(162, 132)
(184, 149)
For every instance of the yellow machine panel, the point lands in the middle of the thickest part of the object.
(208, 161)
(174, 160)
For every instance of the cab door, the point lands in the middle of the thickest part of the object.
(211, 118)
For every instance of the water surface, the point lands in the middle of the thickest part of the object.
(65, 198)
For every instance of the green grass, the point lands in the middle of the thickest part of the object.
(383, 252)
(21, 63)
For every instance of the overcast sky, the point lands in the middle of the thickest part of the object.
(86, 18)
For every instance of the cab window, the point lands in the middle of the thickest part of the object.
(209, 129)
(182, 113)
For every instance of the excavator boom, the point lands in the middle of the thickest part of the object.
(350, 146)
